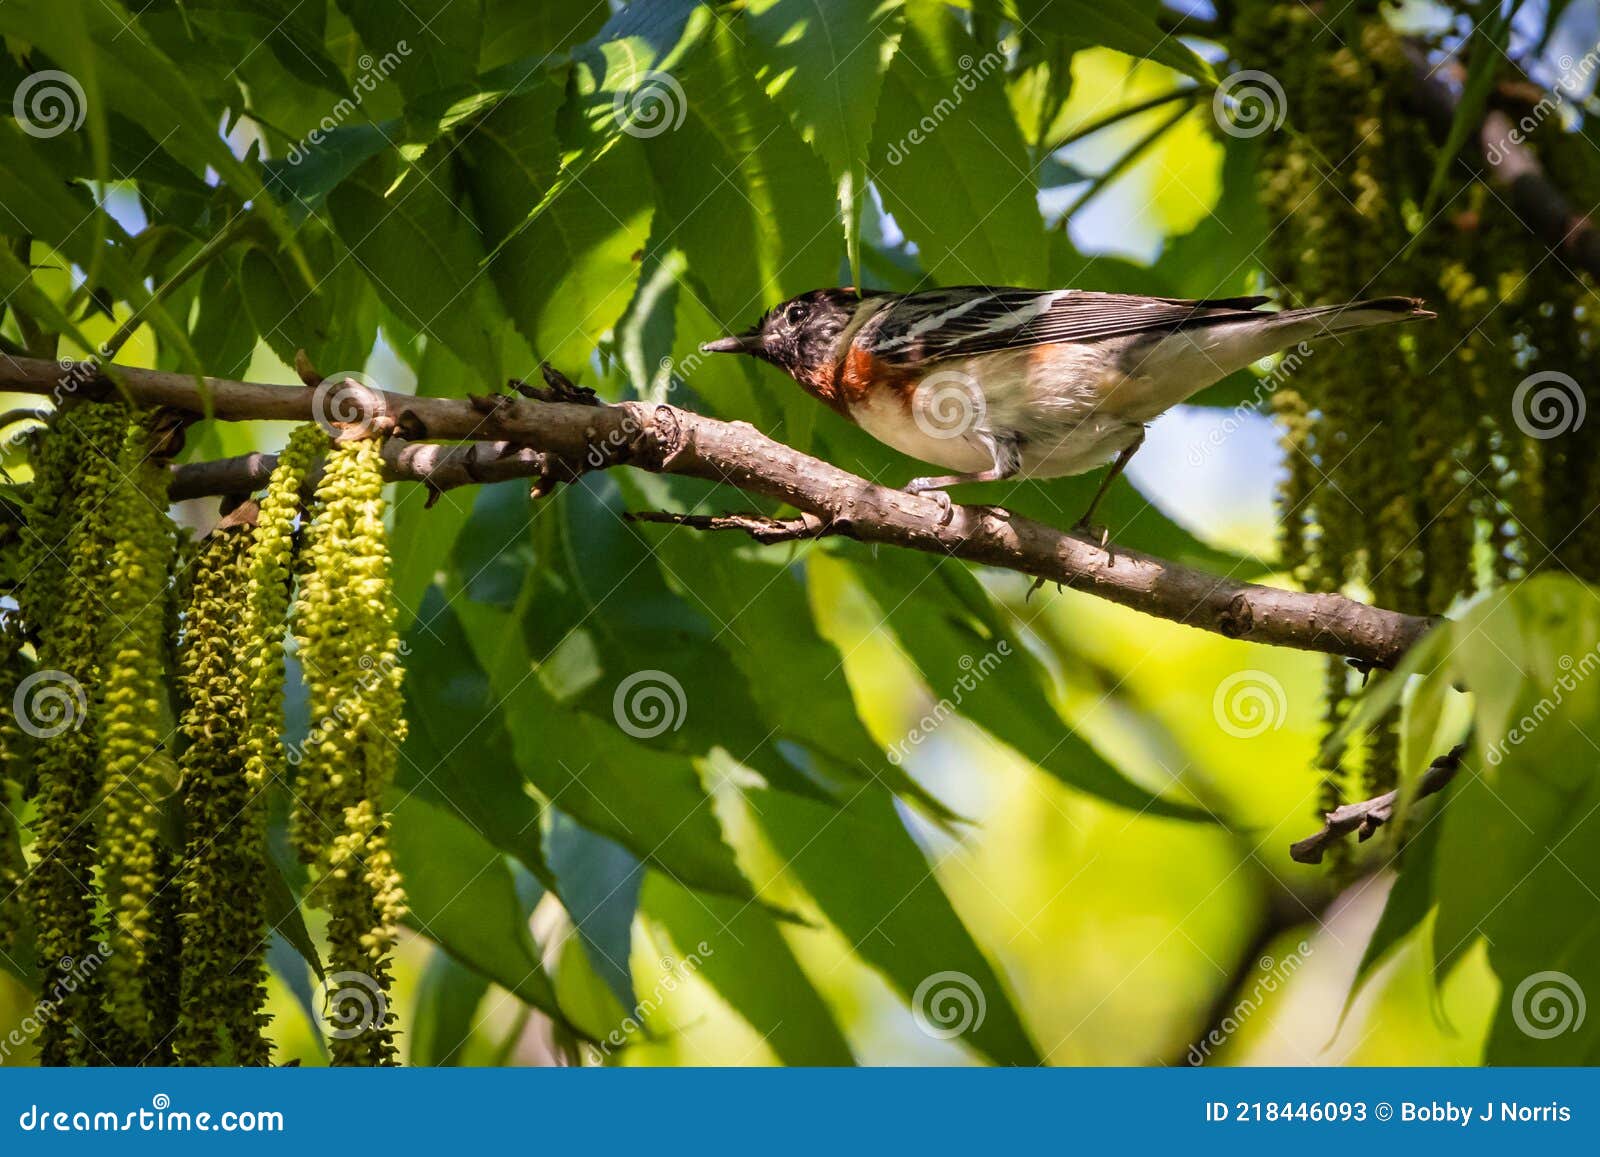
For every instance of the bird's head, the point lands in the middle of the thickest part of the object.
(799, 336)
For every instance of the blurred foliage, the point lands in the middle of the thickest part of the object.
(669, 799)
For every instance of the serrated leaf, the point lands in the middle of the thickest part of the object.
(823, 61)
(949, 160)
(566, 277)
(739, 192)
(423, 256)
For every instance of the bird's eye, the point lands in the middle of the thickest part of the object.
(795, 314)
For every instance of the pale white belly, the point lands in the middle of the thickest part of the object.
(1056, 409)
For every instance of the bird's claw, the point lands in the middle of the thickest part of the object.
(926, 488)
(1083, 528)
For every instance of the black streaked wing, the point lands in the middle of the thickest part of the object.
(946, 323)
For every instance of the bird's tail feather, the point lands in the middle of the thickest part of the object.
(1324, 320)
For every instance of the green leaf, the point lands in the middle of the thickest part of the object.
(435, 42)
(746, 959)
(40, 202)
(1518, 862)
(18, 290)
(421, 540)
(949, 160)
(738, 191)
(141, 82)
(567, 276)
(224, 336)
(514, 30)
(760, 604)
(460, 894)
(977, 667)
(1126, 25)
(891, 908)
(423, 256)
(447, 1003)
(458, 754)
(823, 61)
(648, 801)
(598, 881)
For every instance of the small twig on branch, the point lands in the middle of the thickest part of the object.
(555, 441)
(1369, 815)
(757, 526)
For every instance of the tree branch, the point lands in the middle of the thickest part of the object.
(1369, 815)
(569, 438)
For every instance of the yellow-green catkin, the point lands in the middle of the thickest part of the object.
(69, 543)
(222, 981)
(350, 652)
(133, 713)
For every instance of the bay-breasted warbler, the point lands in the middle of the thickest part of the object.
(996, 383)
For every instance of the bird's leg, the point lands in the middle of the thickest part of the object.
(1007, 461)
(1085, 525)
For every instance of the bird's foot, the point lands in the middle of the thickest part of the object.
(1083, 528)
(1037, 584)
(929, 488)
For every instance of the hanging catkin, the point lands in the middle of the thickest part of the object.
(132, 733)
(69, 542)
(345, 623)
(222, 979)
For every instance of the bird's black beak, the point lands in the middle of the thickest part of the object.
(740, 343)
